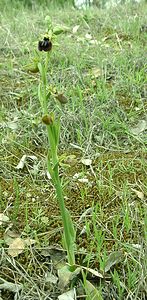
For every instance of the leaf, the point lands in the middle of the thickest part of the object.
(42, 72)
(16, 247)
(75, 29)
(57, 131)
(141, 126)
(91, 291)
(88, 36)
(96, 72)
(86, 161)
(61, 98)
(79, 177)
(40, 95)
(70, 226)
(10, 235)
(70, 295)
(93, 272)
(113, 259)
(60, 29)
(3, 219)
(12, 125)
(9, 286)
(83, 180)
(93, 42)
(88, 211)
(139, 194)
(29, 242)
(23, 160)
(57, 255)
(49, 277)
(69, 239)
(137, 246)
(66, 275)
(82, 4)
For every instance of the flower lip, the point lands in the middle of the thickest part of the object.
(45, 45)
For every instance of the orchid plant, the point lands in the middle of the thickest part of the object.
(53, 132)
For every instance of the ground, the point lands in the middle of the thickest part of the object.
(98, 64)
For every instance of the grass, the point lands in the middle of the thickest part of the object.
(103, 76)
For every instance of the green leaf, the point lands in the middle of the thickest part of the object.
(40, 96)
(42, 72)
(91, 291)
(69, 237)
(70, 226)
(60, 29)
(57, 132)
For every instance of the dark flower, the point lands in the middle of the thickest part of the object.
(45, 45)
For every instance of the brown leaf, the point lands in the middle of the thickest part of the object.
(139, 194)
(92, 271)
(10, 235)
(3, 219)
(16, 247)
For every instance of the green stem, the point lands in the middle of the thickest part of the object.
(60, 197)
(52, 145)
(53, 162)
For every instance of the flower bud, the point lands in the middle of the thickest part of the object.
(61, 98)
(47, 120)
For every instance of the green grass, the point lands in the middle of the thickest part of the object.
(97, 123)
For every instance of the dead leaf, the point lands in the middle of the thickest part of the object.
(93, 42)
(113, 259)
(86, 161)
(96, 72)
(10, 235)
(28, 242)
(75, 29)
(70, 295)
(83, 231)
(88, 36)
(139, 194)
(3, 219)
(16, 247)
(141, 126)
(76, 175)
(70, 160)
(12, 125)
(9, 286)
(23, 160)
(49, 277)
(48, 175)
(82, 4)
(57, 255)
(83, 180)
(92, 271)
(85, 213)
(79, 177)
(65, 275)
(137, 246)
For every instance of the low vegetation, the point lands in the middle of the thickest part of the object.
(96, 84)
